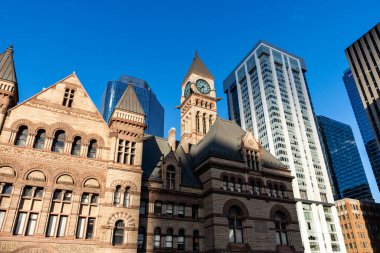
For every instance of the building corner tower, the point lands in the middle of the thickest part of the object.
(8, 83)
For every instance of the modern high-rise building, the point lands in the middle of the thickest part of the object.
(364, 124)
(267, 92)
(153, 109)
(364, 58)
(344, 161)
(360, 223)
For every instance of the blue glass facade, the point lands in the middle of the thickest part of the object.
(346, 167)
(153, 109)
(364, 124)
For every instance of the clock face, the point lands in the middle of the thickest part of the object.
(186, 93)
(203, 86)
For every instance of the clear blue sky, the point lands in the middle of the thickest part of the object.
(156, 41)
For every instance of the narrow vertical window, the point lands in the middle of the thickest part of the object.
(118, 233)
(169, 238)
(116, 196)
(143, 206)
(181, 240)
(39, 141)
(204, 123)
(232, 184)
(21, 136)
(210, 120)
(87, 216)
(68, 97)
(127, 197)
(169, 209)
(194, 211)
(239, 185)
(281, 229)
(157, 238)
(170, 178)
(141, 239)
(58, 141)
(235, 227)
(76, 146)
(157, 207)
(251, 186)
(198, 123)
(196, 240)
(91, 152)
(181, 211)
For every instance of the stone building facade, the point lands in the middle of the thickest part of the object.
(69, 182)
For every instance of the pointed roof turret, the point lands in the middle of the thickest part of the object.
(129, 101)
(7, 67)
(198, 67)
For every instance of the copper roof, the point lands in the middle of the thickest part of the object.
(129, 101)
(7, 67)
(198, 67)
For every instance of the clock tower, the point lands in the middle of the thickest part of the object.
(198, 102)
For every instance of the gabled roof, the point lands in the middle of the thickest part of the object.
(198, 67)
(129, 101)
(7, 67)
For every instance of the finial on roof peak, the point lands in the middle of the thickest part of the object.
(196, 53)
(130, 82)
(10, 48)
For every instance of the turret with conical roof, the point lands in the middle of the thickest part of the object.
(8, 83)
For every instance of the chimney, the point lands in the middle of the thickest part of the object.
(171, 138)
(185, 141)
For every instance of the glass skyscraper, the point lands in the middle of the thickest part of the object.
(364, 125)
(153, 109)
(346, 167)
(267, 92)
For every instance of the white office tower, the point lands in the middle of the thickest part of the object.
(267, 92)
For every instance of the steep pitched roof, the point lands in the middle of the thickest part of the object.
(7, 67)
(198, 67)
(224, 140)
(129, 101)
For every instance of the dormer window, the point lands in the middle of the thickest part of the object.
(68, 97)
(170, 178)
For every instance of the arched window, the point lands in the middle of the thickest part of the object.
(141, 239)
(232, 184)
(58, 141)
(22, 135)
(210, 120)
(282, 192)
(225, 183)
(118, 233)
(195, 240)
(39, 141)
(258, 188)
(91, 152)
(75, 148)
(275, 191)
(239, 185)
(270, 190)
(116, 196)
(170, 178)
(169, 238)
(181, 239)
(280, 222)
(235, 225)
(127, 197)
(157, 238)
(251, 186)
(204, 123)
(198, 123)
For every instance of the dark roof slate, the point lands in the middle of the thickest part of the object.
(222, 140)
(198, 67)
(7, 67)
(129, 101)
